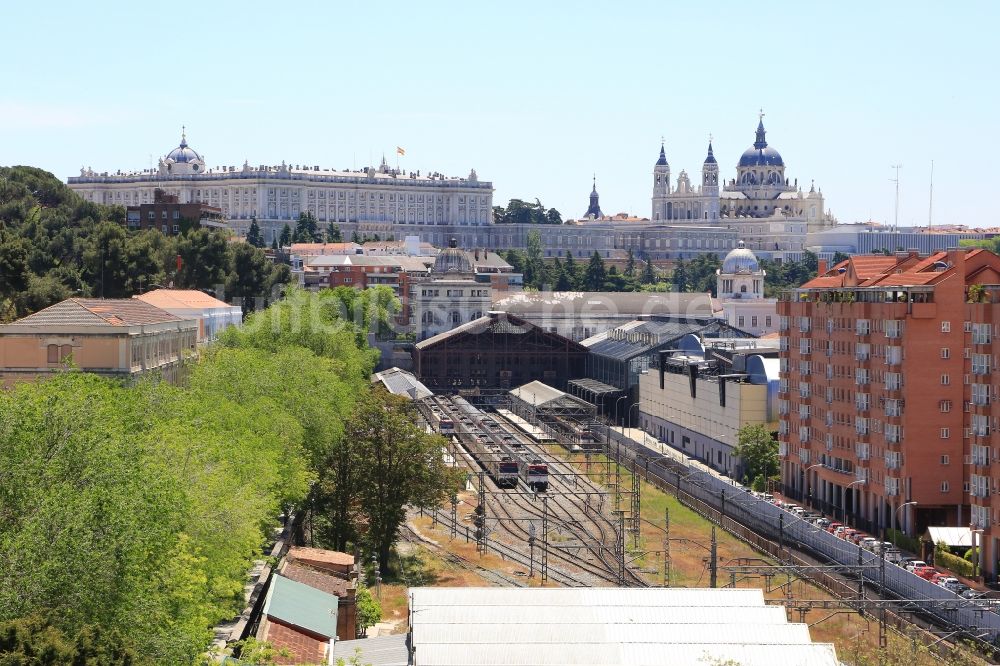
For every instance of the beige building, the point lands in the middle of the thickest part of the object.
(213, 316)
(697, 399)
(115, 337)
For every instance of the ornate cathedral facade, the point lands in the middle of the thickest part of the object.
(770, 212)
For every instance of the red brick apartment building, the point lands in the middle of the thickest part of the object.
(886, 402)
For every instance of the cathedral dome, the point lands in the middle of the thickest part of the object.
(760, 154)
(182, 154)
(761, 157)
(453, 260)
(740, 260)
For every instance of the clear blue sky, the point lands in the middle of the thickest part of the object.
(536, 96)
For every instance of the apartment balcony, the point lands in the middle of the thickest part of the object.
(862, 450)
(783, 449)
(838, 470)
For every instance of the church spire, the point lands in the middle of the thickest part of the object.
(760, 143)
(594, 210)
(663, 155)
(184, 141)
(710, 159)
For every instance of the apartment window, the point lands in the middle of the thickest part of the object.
(945, 487)
(163, 215)
(981, 394)
(893, 328)
(152, 215)
(946, 327)
(981, 334)
(945, 459)
(177, 228)
(177, 215)
(767, 321)
(53, 353)
(945, 434)
(739, 321)
(945, 352)
(981, 364)
(753, 321)
(945, 406)
(805, 345)
(863, 327)
(945, 380)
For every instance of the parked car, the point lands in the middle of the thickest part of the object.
(913, 564)
(927, 572)
(894, 555)
(944, 580)
(841, 531)
(857, 538)
(869, 544)
(822, 522)
(832, 527)
(960, 588)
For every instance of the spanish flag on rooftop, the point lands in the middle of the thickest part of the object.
(400, 151)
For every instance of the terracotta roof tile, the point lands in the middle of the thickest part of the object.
(98, 312)
(181, 298)
(321, 555)
(327, 582)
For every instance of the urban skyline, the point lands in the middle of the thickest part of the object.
(461, 101)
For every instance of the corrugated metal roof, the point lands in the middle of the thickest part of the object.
(659, 632)
(586, 596)
(541, 614)
(631, 655)
(401, 382)
(607, 303)
(376, 651)
(98, 312)
(633, 627)
(538, 394)
(302, 606)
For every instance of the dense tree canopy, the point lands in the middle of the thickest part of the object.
(54, 245)
(138, 509)
(521, 212)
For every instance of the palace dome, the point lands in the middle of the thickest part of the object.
(183, 153)
(740, 260)
(452, 260)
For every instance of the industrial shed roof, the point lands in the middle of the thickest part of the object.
(538, 394)
(607, 303)
(401, 382)
(640, 337)
(648, 627)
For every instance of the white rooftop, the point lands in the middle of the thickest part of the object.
(637, 627)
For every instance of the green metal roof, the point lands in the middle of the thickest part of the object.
(302, 606)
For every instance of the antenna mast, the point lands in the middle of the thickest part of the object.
(895, 180)
(930, 203)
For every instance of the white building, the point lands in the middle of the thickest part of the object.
(740, 289)
(697, 399)
(770, 212)
(376, 200)
(455, 293)
(213, 315)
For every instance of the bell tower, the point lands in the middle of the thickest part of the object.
(661, 185)
(710, 185)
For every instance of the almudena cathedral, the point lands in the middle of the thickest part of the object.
(762, 207)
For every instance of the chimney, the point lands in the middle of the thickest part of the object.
(956, 258)
(821, 270)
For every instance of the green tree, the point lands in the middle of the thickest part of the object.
(648, 274)
(552, 216)
(249, 275)
(759, 451)
(34, 640)
(105, 264)
(679, 278)
(572, 271)
(614, 281)
(839, 257)
(369, 609)
(630, 265)
(147, 256)
(596, 275)
(286, 236)
(333, 234)
(401, 466)
(535, 274)
(306, 229)
(254, 236)
(204, 256)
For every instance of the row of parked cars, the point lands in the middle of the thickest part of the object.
(892, 553)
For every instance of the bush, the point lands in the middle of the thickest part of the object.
(954, 563)
(907, 543)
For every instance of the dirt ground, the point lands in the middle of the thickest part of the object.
(855, 637)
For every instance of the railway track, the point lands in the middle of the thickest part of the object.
(407, 533)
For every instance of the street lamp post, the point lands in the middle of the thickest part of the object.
(896, 513)
(809, 485)
(616, 406)
(977, 548)
(843, 499)
(628, 412)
